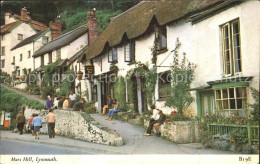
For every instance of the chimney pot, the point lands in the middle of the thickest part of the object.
(24, 14)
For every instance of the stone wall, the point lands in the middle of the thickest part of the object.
(178, 131)
(78, 125)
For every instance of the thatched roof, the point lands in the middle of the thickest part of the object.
(62, 41)
(135, 21)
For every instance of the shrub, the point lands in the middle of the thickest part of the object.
(48, 90)
(255, 112)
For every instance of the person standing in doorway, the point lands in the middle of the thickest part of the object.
(73, 98)
(20, 121)
(37, 124)
(108, 106)
(51, 123)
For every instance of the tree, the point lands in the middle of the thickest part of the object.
(181, 78)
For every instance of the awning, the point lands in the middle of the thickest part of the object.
(200, 88)
(230, 82)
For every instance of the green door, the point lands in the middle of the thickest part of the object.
(207, 103)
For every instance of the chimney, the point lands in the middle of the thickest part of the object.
(24, 14)
(92, 25)
(55, 28)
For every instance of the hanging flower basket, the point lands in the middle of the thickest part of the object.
(79, 75)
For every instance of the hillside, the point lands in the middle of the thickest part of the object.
(73, 13)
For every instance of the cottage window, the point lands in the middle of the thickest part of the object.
(2, 63)
(20, 36)
(14, 60)
(233, 98)
(164, 80)
(29, 54)
(58, 54)
(112, 55)
(130, 51)
(162, 38)
(50, 57)
(45, 39)
(232, 62)
(3, 50)
(42, 60)
(21, 57)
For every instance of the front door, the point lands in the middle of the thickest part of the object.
(207, 103)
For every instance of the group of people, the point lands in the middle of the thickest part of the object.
(112, 107)
(35, 123)
(65, 102)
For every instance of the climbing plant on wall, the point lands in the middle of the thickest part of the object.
(182, 75)
(49, 70)
(120, 93)
(65, 86)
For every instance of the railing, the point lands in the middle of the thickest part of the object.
(252, 132)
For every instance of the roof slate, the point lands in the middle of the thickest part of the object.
(135, 21)
(62, 41)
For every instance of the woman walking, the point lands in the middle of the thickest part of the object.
(30, 123)
(37, 124)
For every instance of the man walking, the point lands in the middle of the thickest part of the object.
(20, 121)
(51, 124)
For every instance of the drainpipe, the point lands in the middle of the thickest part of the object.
(139, 95)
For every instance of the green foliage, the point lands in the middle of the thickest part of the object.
(34, 89)
(120, 93)
(12, 102)
(49, 70)
(178, 117)
(130, 91)
(65, 86)
(182, 76)
(255, 112)
(238, 136)
(90, 107)
(150, 83)
(48, 90)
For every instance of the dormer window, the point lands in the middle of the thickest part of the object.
(45, 39)
(112, 55)
(162, 38)
(20, 36)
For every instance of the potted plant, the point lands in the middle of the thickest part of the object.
(79, 75)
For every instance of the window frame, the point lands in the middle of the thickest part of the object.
(131, 51)
(3, 63)
(42, 60)
(3, 51)
(112, 57)
(232, 67)
(58, 54)
(43, 39)
(160, 30)
(21, 57)
(50, 57)
(235, 98)
(20, 36)
(13, 59)
(29, 54)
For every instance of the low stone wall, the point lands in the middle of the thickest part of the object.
(177, 131)
(78, 125)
